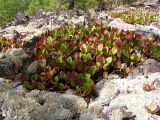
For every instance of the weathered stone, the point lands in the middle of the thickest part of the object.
(17, 55)
(5, 85)
(20, 18)
(32, 68)
(6, 67)
(18, 104)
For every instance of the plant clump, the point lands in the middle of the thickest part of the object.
(74, 57)
(136, 16)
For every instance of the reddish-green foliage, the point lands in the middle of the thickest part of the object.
(72, 57)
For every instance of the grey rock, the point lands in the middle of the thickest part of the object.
(32, 68)
(78, 21)
(6, 67)
(17, 55)
(88, 115)
(117, 22)
(40, 105)
(8, 118)
(20, 18)
(117, 113)
(40, 14)
(5, 85)
(127, 93)
(148, 67)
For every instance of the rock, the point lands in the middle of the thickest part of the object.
(148, 67)
(88, 115)
(20, 18)
(40, 105)
(39, 14)
(5, 85)
(117, 22)
(148, 30)
(17, 55)
(117, 113)
(107, 93)
(6, 68)
(79, 21)
(32, 68)
(60, 18)
(124, 98)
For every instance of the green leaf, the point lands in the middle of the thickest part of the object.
(88, 76)
(62, 75)
(92, 69)
(87, 85)
(139, 56)
(109, 60)
(27, 85)
(71, 62)
(61, 86)
(60, 59)
(56, 78)
(156, 51)
(105, 75)
(44, 52)
(126, 51)
(40, 86)
(84, 48)
(63, 48)
(87, 57)
(100, 47)
(35, 77)
(98, 64)
(114, 50)
(69, 59)
(157, 54)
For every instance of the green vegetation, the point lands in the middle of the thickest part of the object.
(9, 8)
(114, 3)
(136, 16)
(73, 58)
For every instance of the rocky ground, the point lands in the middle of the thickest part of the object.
(118, 98)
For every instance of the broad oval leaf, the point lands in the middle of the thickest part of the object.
(114, 50)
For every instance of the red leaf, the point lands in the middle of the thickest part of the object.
(118, 64)
(129, 34)
(149, 87)
(117, 43)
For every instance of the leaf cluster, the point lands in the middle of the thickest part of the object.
(136, 16)
(74, 57)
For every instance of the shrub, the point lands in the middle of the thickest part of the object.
(136, 16)
(73, 57)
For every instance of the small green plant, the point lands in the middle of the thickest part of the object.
(73, 57)
(136, 16)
